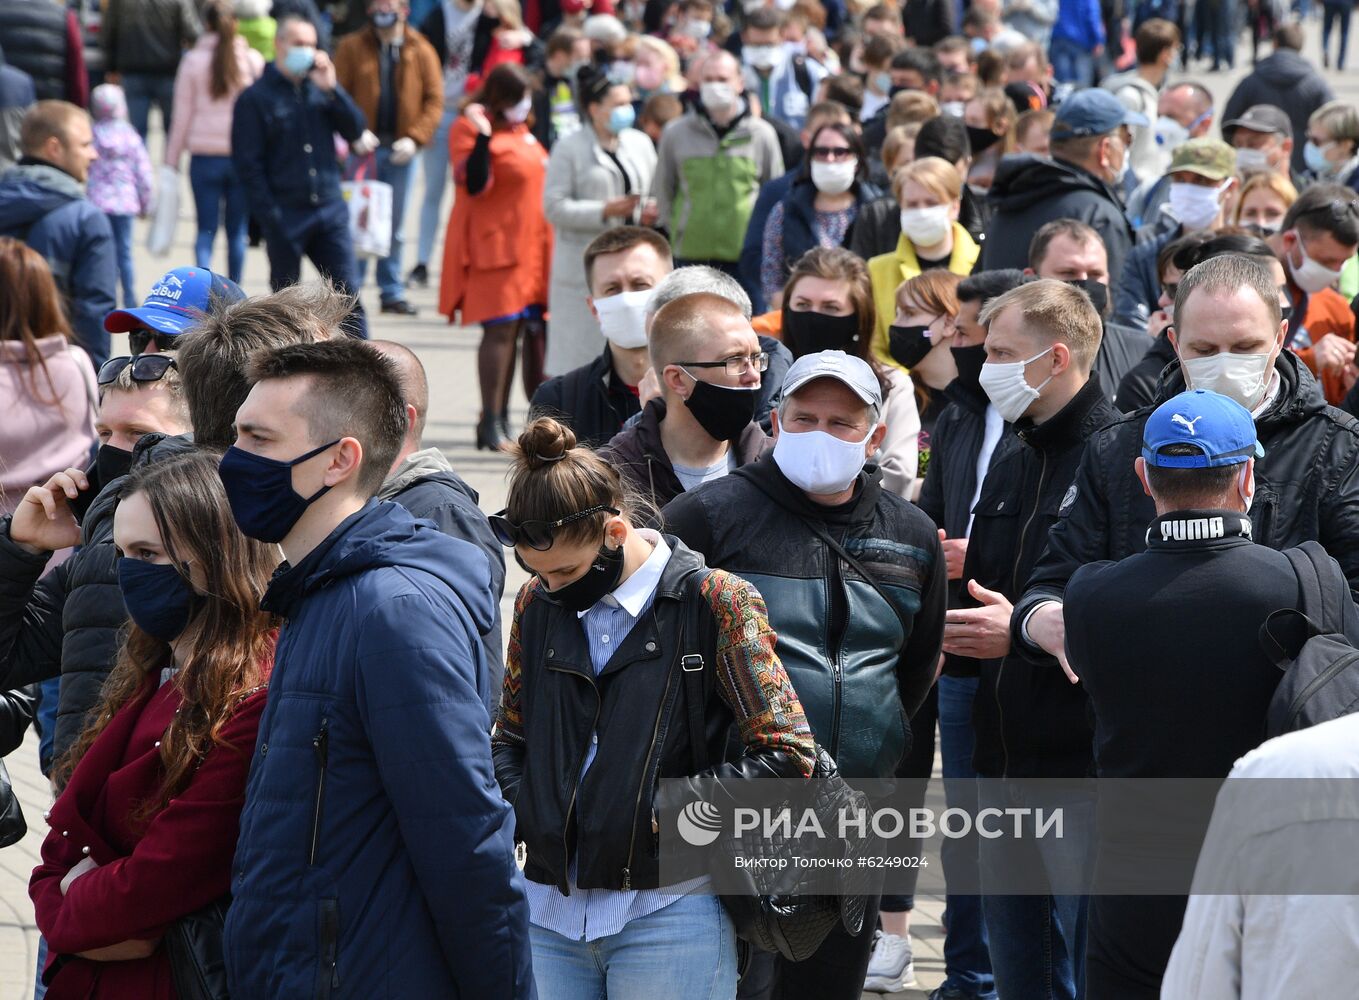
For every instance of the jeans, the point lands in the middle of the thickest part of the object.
(913, 781)
(122, 243)
(967, 961)
(141, 90)
(391, 284)
(322, 234)
(1071, 63)
(685, 951)
(1336, 14)
(216, 189)
(1037, 943)
(434, 163)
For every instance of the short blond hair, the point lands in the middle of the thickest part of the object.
(681, 326)
(46, 120)
(911, 107)
(897, 139)
(935, 175)
(1053, 310)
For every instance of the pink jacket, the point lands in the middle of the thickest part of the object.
(202, 123)
(48, 426)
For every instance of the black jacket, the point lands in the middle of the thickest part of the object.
(35, 36)
(928, 22)
(1288, 81)
(1030, 191)
(639, 455)
(859, 676)
(636, 708)
(1306, 488)
(951, 482)
(1029, 721)
(147, 36)
(1138, 388)
(1120, 350)
(592, 400)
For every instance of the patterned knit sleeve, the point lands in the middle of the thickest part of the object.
(750, 676)
(509, 719)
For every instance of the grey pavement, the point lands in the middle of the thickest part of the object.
(449, 354)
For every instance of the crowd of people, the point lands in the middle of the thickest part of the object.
(940, 382)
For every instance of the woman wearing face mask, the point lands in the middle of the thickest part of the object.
(990, 120)
(597, 178)
(658, 69)
(929, 192)
(1332, 150)
(596, 710)
(498, 245)
(828, 306)
(1264, 200)
(820, 207)
(145, 830)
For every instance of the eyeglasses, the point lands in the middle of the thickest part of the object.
(735, 365)
(538, 534)
(145, 367)
(138, 340)
(832, 153)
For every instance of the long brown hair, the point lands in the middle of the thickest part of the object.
(227, 645)
(30, 307)
(225, 76)
(503, 88)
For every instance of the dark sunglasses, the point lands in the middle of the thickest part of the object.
(832, 153)
(538, 534)
(139, 340)
(145, 367)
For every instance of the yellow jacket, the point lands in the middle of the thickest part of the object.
(889, 270)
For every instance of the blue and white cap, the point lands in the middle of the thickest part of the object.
(1219, 427)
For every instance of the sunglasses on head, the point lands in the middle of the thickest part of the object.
(538, 534)
(138, 340)
(145, 367)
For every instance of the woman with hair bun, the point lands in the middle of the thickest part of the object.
(597, 708)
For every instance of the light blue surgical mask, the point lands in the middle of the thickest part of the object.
(1315, 158)
(299, 60)
(621, 117)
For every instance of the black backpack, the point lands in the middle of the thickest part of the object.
(1309, 644)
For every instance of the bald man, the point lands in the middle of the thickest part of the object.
(425, 484)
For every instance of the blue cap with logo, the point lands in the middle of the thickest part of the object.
(1219, 427)
(178, 300)
(1093, 112)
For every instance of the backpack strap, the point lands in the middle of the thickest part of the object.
(692, 669)
(803, 76)
(1321, 585)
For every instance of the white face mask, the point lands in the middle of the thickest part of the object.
(1008, 389)
(1170, 134)
(717, 96)
(925, 227)
(622, 317)
(955, 108)
(1194, 205)
(1251, 159)
(1311, 276)
(761, 56)
(834, 178)
(818, 462)
(520, 112)
(1238, 376)
(1247, 496)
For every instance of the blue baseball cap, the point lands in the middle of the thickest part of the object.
(177, 301)
(1218, 426)
(1092, 112)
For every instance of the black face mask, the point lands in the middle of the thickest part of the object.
(980, 139)
(110, 463)
(809, 332)
(720, 410)
(599, 580)
(1097, 290)
(969, 361)
(908, 345)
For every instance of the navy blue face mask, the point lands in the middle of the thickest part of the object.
(260, 491)
(158, 597)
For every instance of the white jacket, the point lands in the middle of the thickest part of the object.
(1144, 157)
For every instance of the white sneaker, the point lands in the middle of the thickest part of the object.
(890, 967)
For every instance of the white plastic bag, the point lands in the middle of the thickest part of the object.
(370, 214)
(166, 212)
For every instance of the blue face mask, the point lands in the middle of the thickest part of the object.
(260, 491)
(158, 597)
(1315, 158)
(621, 117)
(299, 60)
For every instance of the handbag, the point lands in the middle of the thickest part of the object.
(12, 823)
(197, 957)
(370, 213)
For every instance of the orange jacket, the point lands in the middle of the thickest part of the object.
(1327, 312)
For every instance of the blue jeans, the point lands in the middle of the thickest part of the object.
(1038, 942)
(143, 89)
(391, 283)
(322, 234)
(685, 951)
(1071, 63)
(967, 962)
(215, 188)
(434, 163)
(122, 243)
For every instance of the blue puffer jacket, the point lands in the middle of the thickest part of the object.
(376, 854)
(46, 208)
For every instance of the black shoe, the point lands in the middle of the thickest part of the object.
(399, 306)
(504, 421)
(419, 277)
(489, 435)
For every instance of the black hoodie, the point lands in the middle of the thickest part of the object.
(1288, 81)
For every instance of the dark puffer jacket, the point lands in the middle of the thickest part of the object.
(592, 400)
(147, 36)
(44, 40)
(1306, 489)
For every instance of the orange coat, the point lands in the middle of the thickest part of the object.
(498, 248)
(1327, 312)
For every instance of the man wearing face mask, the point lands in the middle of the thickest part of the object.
(1228, 334)
(1184, 112)
(622, 267)
(816, 496)
(1200, 181)
(709, 364)
(783, 82)
(1090, 138)
(1319, 234)
(284, 152)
